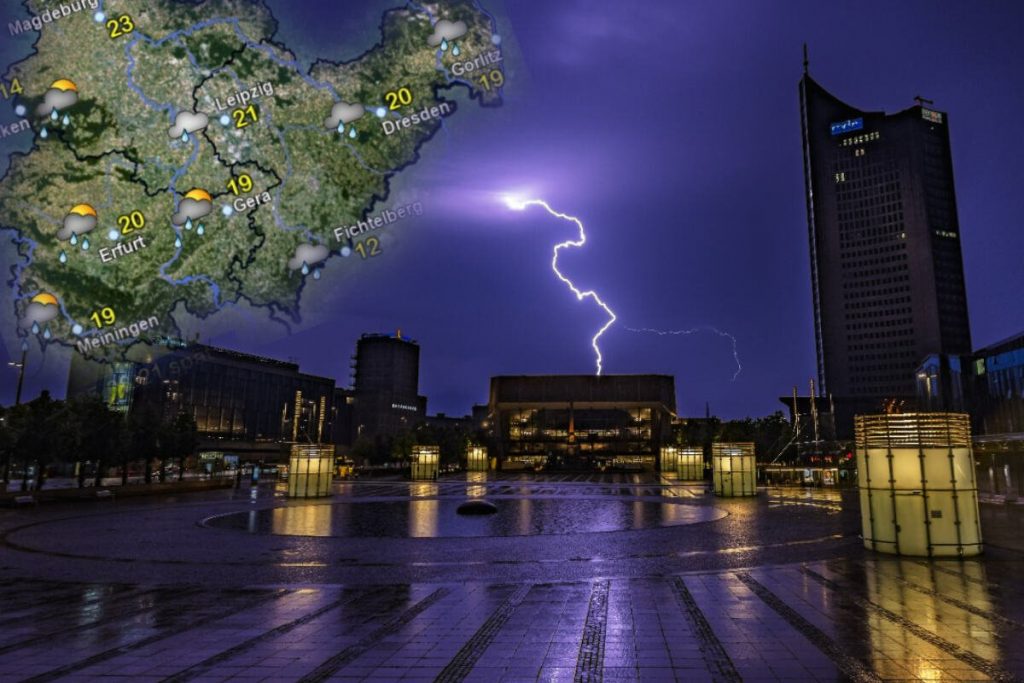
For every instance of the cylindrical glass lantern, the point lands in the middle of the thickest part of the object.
(310, 471)
(734, 469)
(918, 494)
(476, 459)
(691, 463)
(669, 460)
(425, 462)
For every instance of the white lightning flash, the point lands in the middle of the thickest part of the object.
(663, 333)
(519, 204)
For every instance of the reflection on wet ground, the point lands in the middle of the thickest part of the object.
(852, 616)
(435, 518)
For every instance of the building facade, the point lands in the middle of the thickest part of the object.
(245, 404)
(989, 384)
(385, 394)
(580, 421)
(887, 277)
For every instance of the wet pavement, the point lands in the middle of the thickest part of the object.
(582, 578)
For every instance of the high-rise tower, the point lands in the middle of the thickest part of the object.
(887, 276)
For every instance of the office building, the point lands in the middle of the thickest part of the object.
(385, 394)
(580, 421)
(244, 404)
(887, 274)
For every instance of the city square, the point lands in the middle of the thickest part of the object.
(672, 584)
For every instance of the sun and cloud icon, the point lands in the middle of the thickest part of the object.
(61, 95)
(80, 219)
(41, 309)
(196, 204)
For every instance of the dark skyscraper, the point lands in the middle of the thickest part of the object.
(387, 376)
(886, 268)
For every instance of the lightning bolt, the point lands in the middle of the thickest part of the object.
(665, 333)
(521, 205)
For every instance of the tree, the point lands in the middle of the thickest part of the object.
(143, 440)
(40, 433)
(97, 430)
(180, 441)
(6, 447)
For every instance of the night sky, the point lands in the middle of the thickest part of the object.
(672, 130)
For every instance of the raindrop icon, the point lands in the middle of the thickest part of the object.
(305, 268)
(456, 50)
(74, 238)
(184, 137)
(85, 244)
(200, 230)
(66, 120)
(444, 45)
(46, 333)
(177, 242)
(352, 133)
(43, 133)
(63, 258)
(188, 223)
(341, 127)
(53, 115)
(316, 274)
(35, 328)
(24, 344)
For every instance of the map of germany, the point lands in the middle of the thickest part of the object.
(192, 160)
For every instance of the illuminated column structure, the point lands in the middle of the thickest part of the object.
(669, 461)
(476, 459)
(734, 469)
(311, 469)
(691, 463)
(918, 494)
(425, 462)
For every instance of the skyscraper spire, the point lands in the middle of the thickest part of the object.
(807, 63)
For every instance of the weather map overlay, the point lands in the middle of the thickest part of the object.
(192, 161)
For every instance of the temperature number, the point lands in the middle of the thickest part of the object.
(121, 26)
(492, 79)
(131, 222)
(15, 89)
(398, 98)
(103, 317)
(241, 184)
(368, 247)
(245, 117)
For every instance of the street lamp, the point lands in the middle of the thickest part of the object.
(21, 375)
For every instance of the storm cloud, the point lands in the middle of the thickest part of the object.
(446, 30)
(191, 208)
(75, 224)
(56, 99)
(308, 254)
(343, 112)
(188, 122)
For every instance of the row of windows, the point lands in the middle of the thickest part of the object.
(860, 139)
(875, 313)
(907, 355)
(893, 322)
(874, 303)
(862, 286)
(884, 345)
(888, 334)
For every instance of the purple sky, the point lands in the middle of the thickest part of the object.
(671, 129)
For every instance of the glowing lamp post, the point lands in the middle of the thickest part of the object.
(734, 469)
(691, 463)
(425, 461)
(476, 459)
(310, 471)
(918, 494)
(669, 460)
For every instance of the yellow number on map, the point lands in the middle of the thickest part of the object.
(131, 222)
(398, 98)
(104, 316)
(244, 117)
(241, 184)
(121, 26)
